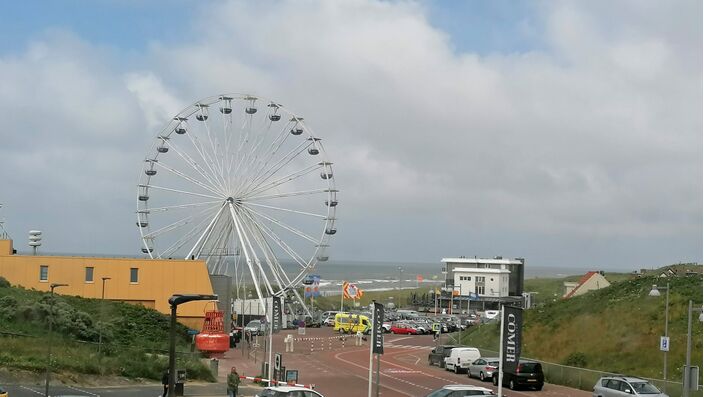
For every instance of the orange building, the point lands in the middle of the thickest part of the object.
(147, 282)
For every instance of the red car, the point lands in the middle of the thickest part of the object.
(403, 328)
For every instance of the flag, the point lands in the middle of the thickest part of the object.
(351, 291)
(512, 324)
(419, 278)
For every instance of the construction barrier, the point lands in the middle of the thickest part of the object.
(289, 342)
(278, 382)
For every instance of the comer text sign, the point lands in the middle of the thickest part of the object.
(512, 324)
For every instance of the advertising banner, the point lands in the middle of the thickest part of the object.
(276, 313)
(378, 331)
(512, 324)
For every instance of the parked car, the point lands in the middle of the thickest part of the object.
(483, 368)
(438, 354)
(461, 390)
(527, 374)
(460, 358)
(619, 386)
(288, 391)
(403, 328)
(3, 392)
(329, 321)
(255, 327)
(386, 325)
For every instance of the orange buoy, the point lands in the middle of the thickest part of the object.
(213, 339)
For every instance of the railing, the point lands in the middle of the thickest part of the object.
(585, 379)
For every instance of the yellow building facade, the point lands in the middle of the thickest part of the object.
(147, 282)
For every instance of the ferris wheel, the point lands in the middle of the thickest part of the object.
(243, 183)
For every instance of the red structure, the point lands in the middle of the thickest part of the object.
(213, 340)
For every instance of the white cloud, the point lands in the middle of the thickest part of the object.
(598, 137)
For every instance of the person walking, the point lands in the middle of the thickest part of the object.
(248, 338)
(233, 382)
(165, 382)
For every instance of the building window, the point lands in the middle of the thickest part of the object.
(480, 279)
(491, 279)
(479, 289)
(469, 278)
(134, 275)
(89, 274)
(43, 273)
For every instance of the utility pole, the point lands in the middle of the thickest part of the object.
(51, 323)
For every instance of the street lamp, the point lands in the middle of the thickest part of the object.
(100, 329)
(655, 291)
(174, 301)
(51, 323)
(687, 371)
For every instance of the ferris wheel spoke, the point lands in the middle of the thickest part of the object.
(256, 149)
(284, 225)
(285, 247)
(285, 179)
(264, 247)
(207, 232)
(183, 240)
(248, 242)
(182, 206)
(272, 150)
(271, 171)
(214, 152)
(197, 146)
(177, 224)
(194, 164)
(188, 178)
(180, 191)
(283, 195)
(321, 216)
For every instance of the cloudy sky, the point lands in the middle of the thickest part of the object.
(568, 133)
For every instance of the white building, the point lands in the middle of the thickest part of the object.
(514, 266)
(481, 281)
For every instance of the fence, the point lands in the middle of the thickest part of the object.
(585, 379)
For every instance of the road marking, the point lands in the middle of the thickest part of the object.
(398, 339)
(337, 356)
(32, 390)
(83, 391)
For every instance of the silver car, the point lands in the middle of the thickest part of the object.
(483, 368)
(622, 386)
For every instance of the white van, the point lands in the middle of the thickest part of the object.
(460, 358)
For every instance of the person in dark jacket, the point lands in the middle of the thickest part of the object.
(165, 382)
(233, 382)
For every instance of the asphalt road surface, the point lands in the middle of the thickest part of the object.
(338, 371)
(337, 368)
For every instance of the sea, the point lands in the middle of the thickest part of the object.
(381, 276)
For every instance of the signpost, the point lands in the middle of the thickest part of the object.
(377, 345)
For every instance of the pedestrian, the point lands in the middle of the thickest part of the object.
(233, 382)
(165, 382)
(248, 337)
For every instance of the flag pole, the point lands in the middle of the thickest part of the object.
(501, 353)
(342, 296)
(371, 358)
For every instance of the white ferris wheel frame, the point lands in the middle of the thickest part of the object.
(229, 184)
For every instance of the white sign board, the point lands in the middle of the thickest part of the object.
(665, 343)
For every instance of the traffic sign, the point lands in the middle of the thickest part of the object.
(665, 343)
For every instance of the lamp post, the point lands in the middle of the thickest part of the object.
(100, 329)
(655, 291)
(174, 301)
(51, 323)
(685, 379)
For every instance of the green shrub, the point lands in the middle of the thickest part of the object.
(576, 359)
(4, 283)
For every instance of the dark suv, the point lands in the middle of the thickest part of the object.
(438, 354)
(528, 374)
